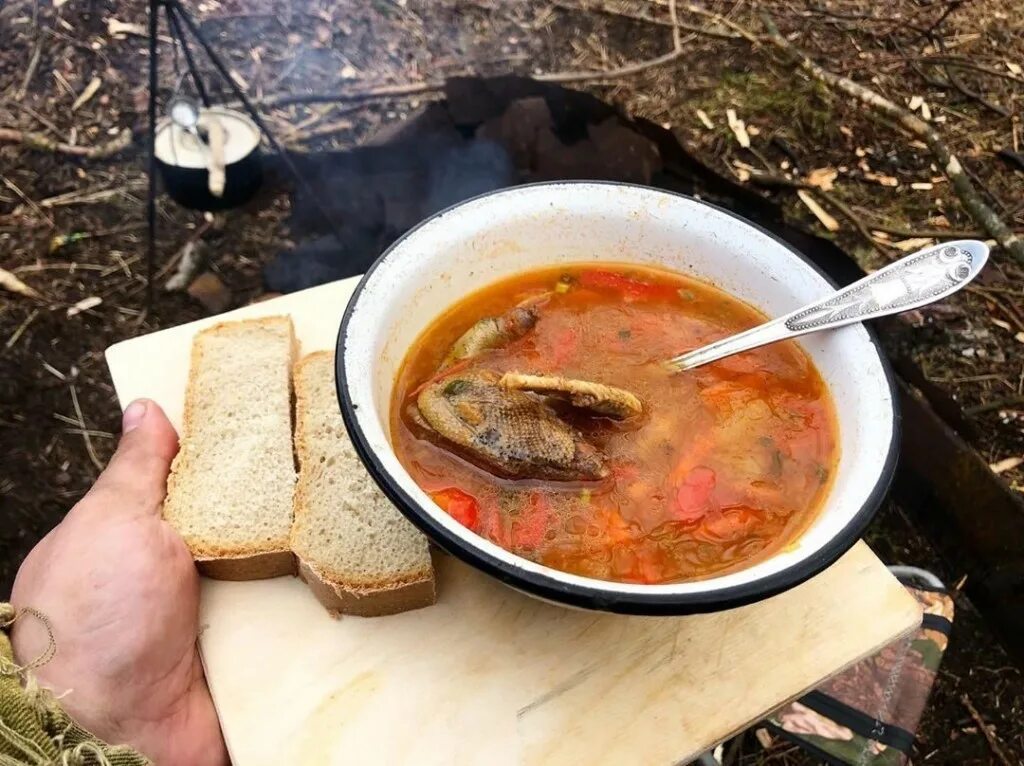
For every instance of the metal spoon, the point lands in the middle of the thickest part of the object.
(916, 280)
(184, 113)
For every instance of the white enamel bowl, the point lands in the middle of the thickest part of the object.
(494, 236)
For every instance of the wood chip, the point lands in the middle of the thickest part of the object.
(926, 111)
(846, 131)
(89, 92)
(239, 80)
(915, 243)
(1005, 465)
(1019, 337)
(1014, 68)
(922, 185)
(739, 129)
(84, 305)
(882, 179)
(705, 120)
(822, 178)
(763, 738)
(117, 28)
(11, 283)
(1004, 325)
(915, 103)
(827, 221)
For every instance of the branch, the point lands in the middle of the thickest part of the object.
(604, 10)
(962, 186)
(43, 143)
(371, 94)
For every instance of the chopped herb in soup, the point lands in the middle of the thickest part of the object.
(537, 413)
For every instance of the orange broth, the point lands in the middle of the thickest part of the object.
(728, 463)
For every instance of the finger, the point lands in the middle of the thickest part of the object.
(135, 480)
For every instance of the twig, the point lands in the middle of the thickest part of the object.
(26, 199)
(33, 64)
(371, 94)
(43, 143)
(709, 32)
(89, 195)
(628, 69)
(413, 89)
(962, 186)
(85, 430)
(746, 34)
(21, 329)
(959, 84)
(899, 231)
(1013, 401)
(38, 117)
(847, 212)
(953, 5)
(993, 743)
(188, 258)
(963, 63)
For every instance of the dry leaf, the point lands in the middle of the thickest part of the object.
(89, 92)
(738, 128)
(822, 178)
(827, 221)
(1014, 68)
(915, 243)
(915, 103)
(10, 282)
(705, 120)
(1006, 464)
(84, 305)
(1000, 323)
(882, 179)
(922, 185)
(939, 220)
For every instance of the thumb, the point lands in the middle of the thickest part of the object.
(135, 480)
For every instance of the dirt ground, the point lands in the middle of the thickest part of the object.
(72, 229)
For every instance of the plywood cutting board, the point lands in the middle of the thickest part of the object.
(489, 676)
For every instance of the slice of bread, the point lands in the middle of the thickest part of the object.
(356, 551)
(230, 491)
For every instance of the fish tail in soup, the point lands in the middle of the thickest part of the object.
(638, 475)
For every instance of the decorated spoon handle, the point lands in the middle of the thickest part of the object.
(918, 279)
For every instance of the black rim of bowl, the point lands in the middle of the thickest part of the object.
(582, 595)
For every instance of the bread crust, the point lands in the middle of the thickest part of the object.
(372, 602)
(259, 566)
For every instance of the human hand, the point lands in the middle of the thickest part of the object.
(122, 596)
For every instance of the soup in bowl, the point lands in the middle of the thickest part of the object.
(500, 372)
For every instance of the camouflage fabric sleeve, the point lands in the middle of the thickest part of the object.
(868, 714)
(34, 729)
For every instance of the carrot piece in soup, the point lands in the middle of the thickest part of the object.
(460, 506)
